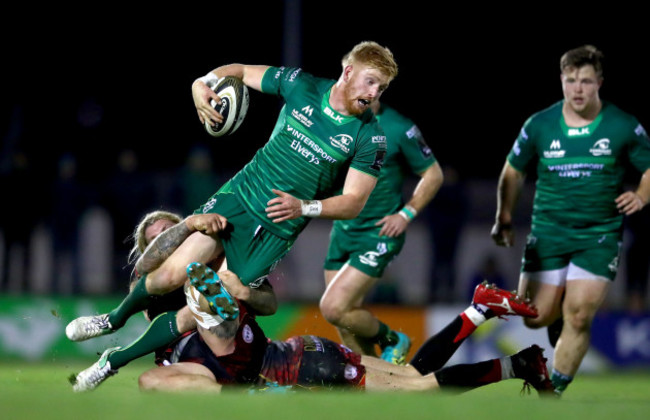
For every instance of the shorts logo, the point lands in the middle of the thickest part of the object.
(350, 372)
(247, 334)
(208, 206)
(370, 258)
(382, 248)
(600, 148)
(613, 266)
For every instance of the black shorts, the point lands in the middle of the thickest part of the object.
(193, 349)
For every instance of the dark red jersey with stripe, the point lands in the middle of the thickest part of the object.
(307, 361)
(239, 367)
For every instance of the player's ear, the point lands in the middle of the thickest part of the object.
(347, 72)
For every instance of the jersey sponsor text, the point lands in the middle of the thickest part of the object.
(310, 144)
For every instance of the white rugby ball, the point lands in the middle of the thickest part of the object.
(233, 106)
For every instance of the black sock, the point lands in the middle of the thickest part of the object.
(438, 349)
(470, 375)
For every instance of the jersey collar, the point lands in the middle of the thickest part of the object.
(333, 115)
(584, 131)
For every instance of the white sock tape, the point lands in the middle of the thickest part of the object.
(204, 319)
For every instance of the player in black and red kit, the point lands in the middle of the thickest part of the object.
(314, 362)
(252, 358)
(306, 361)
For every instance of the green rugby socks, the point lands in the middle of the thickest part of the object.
(136, 301)
(560, 381)
(161, 332)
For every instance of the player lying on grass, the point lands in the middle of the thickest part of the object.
(202, 361)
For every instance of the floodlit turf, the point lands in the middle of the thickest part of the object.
(41, 391)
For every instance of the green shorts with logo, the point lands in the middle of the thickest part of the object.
(365, 251)
(599, 255)
(252, 252)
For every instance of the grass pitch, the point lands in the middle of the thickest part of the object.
(41, 391)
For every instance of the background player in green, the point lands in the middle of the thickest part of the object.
(580, 147)
(360, 249)
(325, 127)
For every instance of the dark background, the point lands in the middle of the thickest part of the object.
(93, 80)
(468, 77)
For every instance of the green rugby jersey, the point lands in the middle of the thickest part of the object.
(310, 148)
(580, 170)
(407, 153)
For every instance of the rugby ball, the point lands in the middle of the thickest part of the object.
(233, 106)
